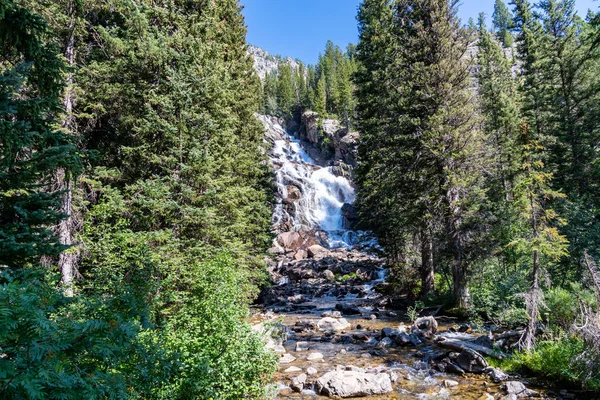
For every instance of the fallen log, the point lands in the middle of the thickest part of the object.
(509, 334)
(460, 345)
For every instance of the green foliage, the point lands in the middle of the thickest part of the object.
(221, 357)
(32, 146)
(556, 360)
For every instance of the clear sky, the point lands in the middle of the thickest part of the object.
(300, 28)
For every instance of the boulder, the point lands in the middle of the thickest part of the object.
(311, 371)
(315, 356)
(330, 276)
(286, 358)
(332, 324)
(428, 324)
(353, 384)
(293, 193)
(298, 383)
(496, 375)
(317, 251)
(290, 240)
(348, 309)
(300, 255)
(518, 390)
(471, 361)
(301, 346)
(449, 383)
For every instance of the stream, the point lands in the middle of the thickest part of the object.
(324, 312)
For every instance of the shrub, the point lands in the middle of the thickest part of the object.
(220, 356)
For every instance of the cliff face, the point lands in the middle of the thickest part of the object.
(265, 63)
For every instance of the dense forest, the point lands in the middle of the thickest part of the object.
(136, 193)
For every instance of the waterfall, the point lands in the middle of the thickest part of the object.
(313, 194)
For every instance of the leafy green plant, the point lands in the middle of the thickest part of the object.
(413, 311)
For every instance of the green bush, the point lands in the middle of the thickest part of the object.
(220, 356)
(558, 360)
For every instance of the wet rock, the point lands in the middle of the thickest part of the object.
(286, 359)
(332, 314)
(298, 383)
(301, 346)
(427, 324)
(290, 240)
(353, 384)
(385, 342)
(314, 356)
(496, 375)
(471, 361)
(292, 369)
(330, 276)
(350, 216)
(449, 383)
(518, 389)
(332, 324)
(348, 309)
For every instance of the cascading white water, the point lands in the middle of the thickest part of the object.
(322, 194)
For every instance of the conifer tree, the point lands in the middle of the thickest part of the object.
(502, 23)
(286, 94)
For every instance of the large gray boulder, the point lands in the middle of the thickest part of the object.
(353, 384)
(332, 324)
(427, 324)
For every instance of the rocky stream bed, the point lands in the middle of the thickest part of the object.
(336, 335)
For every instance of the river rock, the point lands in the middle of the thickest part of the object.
(332, 324)
(311, 371)
(315, 356)
(428, 324)
(348, 309)
(298, 383)
(330, 276)
(385, 342)
(301, 346)
(292, 369)
(449, 383)
(353, 384)
(496, 375)
(516, 388)
(287, 358)
(471, 361)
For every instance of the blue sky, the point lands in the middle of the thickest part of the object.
(300, 28)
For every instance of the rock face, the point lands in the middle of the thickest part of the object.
(265, 63)
(353, 384)
(330, 139)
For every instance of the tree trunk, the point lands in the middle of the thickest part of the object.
(67, 259)
(459, 273)
(427, 271)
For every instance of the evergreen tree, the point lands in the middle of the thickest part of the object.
(502, 23)
(286, 93)
(33, 145)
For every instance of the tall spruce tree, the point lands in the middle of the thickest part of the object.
(502, 23)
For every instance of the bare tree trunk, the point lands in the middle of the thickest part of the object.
(533, 297)
(427, 271)
(462, 297)
(67, 259)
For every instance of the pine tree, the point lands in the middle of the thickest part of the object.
(33, 145)
(502, 23)
(286, 97)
